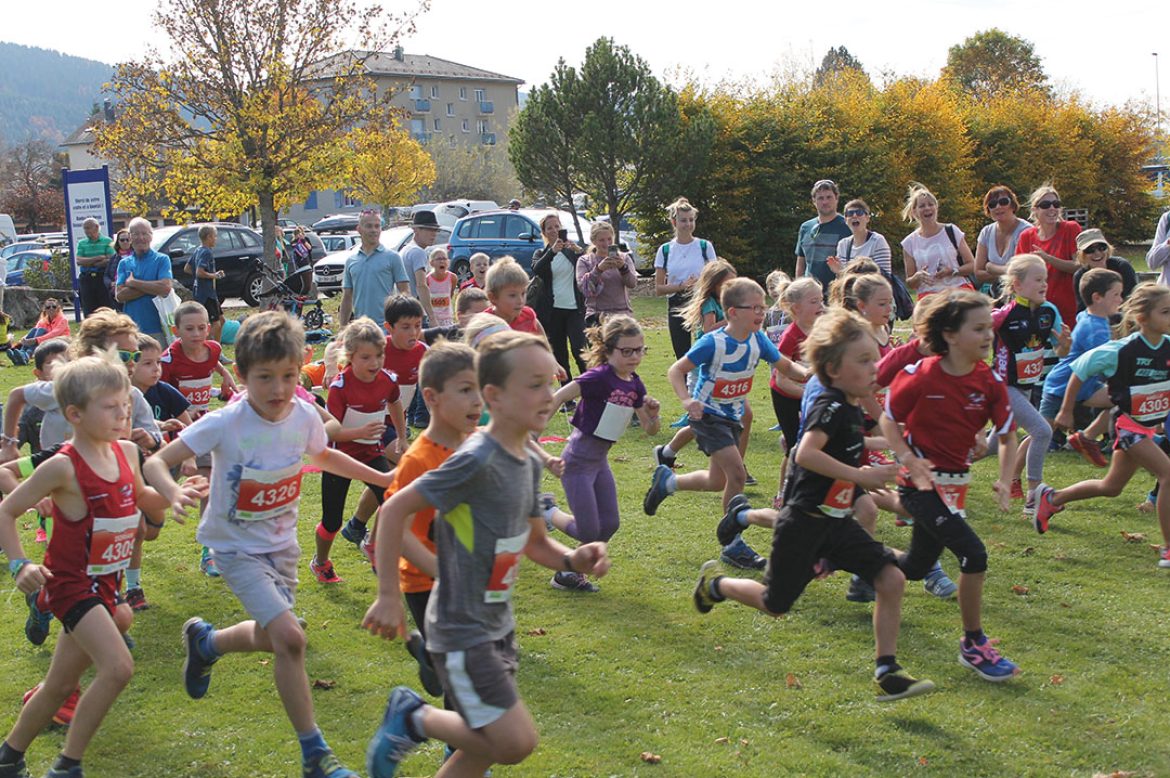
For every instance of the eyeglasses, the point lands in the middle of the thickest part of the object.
(756, 309)
(633, 352)
(1006, 201)
(1096, 248)
(857, 212)
(1046, 204)
(129, 356)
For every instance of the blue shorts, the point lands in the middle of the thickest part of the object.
(1050, 405)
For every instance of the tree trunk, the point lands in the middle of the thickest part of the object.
(268, 222)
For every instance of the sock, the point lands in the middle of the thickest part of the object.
(975, 637)
(206, 552)
(312, 743)
(668, 452)
(206, 645)
(548, 512)
(323, 533)
(671, 484)
(9, 755)
(133, 578)
(357, 521)
(415, 723)
(65, 763)
(713, 589)
(885, 664)
(741, 518)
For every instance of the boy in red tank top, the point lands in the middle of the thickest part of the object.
(95, 485)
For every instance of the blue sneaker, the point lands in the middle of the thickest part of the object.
(988, 663)
(729, 526)
(354, 531)
(17, 769)
(393, 739)
(72, 772)
(196, 669)
(208, 566)
(740, 554)
(325, 764)
(36, 626)
(937, 583)
(658, 489)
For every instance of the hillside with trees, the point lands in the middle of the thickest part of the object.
(46, 94)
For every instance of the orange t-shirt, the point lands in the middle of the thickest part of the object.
(422, 456)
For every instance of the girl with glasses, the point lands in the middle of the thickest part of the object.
(1053, 239)
(1093, 251)
(996, 244)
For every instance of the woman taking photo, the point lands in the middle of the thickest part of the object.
(562, 306)
(996, 244)
(1055, 240)
(863, 243)
(1094, 251)
(605, 276)
(937, 258)
(676, 267)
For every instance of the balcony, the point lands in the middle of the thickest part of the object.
(487, 138)
(422, 105)
(421, 137)
(487, 107)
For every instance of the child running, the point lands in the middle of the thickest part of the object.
(487, 499)
(611, 393)
(942, 403)
(816, 521)
(1136, 370)
(442, 285)
(507, 286)
(803, 301)
(256, 447)
(361, 397)
(94, 483)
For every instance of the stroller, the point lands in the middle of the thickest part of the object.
(278, 294)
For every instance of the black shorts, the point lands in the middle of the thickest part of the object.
(714, 433)
(800, 539)
(75, 614)
(480, 681)
(938, 527)
(214, 311)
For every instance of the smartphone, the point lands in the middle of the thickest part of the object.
(613, 252)
(563, 234)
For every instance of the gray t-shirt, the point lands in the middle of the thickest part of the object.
(987, 238)
(483, 497)
(54, 428)
(414, 258)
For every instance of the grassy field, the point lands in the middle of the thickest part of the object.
(635, 669)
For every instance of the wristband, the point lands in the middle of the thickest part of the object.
(9, 439)
(566, 560)
(16, 565)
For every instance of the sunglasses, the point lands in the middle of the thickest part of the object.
(857, 212)
(129, 356)
(1096, 248)
(1004, 201)
(1046, 204)
(124, 240)
(51, 307)
(633, 352)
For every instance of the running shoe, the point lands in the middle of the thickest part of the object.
(875, 458)
(860, 590)
(136, 599)
(1030, 504)
(208, 566)
(325, 764)
(988, 663)
(662, 459)
(1164, 556)
(1088, 449)
(939, 584)
(548, 503)
(368, 549)
(393, 739)
(1017, 489)
(710, 570)
(196, 668)
(729, 525)
(750, 480)
(73, 772)
(416, 646)
(903, 521)
(36, 626)
(898, 685)
(41, 536)
(657, 491)
(354, 531)
(740, 554)
(17, 769)
(1045, 508)
(568, 581)
(324, 571)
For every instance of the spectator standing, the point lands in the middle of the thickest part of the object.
(997, 242)
(605, 276)
(937, 257)
(372, 273)
(94, 252)
(1054, 239)
(300, 263)
(143, 276)
(1158, 257)
(820, 235)
(1093, 251)
(676, 268)
(417, 261)
(121, 251)
(862, 241)
(202, 265)
(562, 306)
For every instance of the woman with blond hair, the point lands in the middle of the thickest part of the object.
(936, 256)
(676, 268)
(605, 276)
(1053, 239)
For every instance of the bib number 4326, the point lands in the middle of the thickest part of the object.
(266, 494)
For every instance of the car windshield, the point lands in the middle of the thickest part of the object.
(161, 235)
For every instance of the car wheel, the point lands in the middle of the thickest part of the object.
(253, 287)
(462, 270)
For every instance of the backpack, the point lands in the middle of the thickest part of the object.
(666, 253)
(903, 301)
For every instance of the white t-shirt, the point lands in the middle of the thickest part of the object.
(875, 247)
(686, 260)
(255, 474)
(934, 254)
(54, 428)
(564, 283)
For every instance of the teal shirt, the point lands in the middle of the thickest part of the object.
(88, 249)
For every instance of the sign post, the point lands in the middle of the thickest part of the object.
(87, 196)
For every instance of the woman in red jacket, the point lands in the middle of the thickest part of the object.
(1054, 239)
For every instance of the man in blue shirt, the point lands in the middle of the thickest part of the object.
(372, 273)
(143, 276)
(819, 235)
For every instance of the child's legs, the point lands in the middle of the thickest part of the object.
(681, 439)
(288, 645)
(98, 637)
(1148, 455)
(787, 416)
(1021, 458)
(1038, 430)
(69, 662)
(796, 546)
(889, 585)
(334, 490)
(745, 436)
(865, 512)
(1122, 466)
(507, 740)
(579, 480)
(726, 472)
(763, 517)
(417, 603)
(367, 506)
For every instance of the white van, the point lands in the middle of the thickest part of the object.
(7, 230)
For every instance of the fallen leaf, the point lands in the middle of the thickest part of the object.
(1115, 774)
(1133, 537)
(1056, 680)
(743, 741)
(1060, 557)
(922, 761)
(264, 662)
(651, 758)
(718, 648)
(325, 624)
(1029, 551)
(998, 544)
(722, 741)
(1020, 590)
(1065, 605)
(323, 684)
(791, 681)
(538, 632)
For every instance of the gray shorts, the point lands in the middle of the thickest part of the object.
(481, 680)
(714, 433)
(265, 584)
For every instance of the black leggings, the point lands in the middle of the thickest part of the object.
(334, 490)
(680, 336)
(788, 416)
(937, 527)
(566, 330)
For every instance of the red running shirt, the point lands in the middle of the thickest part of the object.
(191, 378)
(403, 363)
(1063, 245)
(790, 345)
(525, 321)
(356, 403)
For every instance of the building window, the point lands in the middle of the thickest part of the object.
(416, 92)
(479, 96)
(349, 201)
(481, 126)
(434, 91)
(451, 139)
(418, 126)
(462, 93)
(450, 109)
(436, 125)
(466, 126)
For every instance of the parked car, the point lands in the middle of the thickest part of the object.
(503, 232)
(342, 241)
(22, 245)
(236, 253)
(24, 259)
(327, 273)
(338, 222)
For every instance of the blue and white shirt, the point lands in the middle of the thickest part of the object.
(727, 368)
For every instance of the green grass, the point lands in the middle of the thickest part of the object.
(636, 669)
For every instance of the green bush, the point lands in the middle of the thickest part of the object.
(56, 276)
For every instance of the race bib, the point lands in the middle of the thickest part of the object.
(952, 488)
(266, 494)
(354, 419)
(1029, 366)
(613, 422)
(110, 545)
(1150, 402)
(505, 567)
(197, 391)
(440, 302)
(839, 499)
(736, 389)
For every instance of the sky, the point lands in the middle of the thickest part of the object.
(1092, 47)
